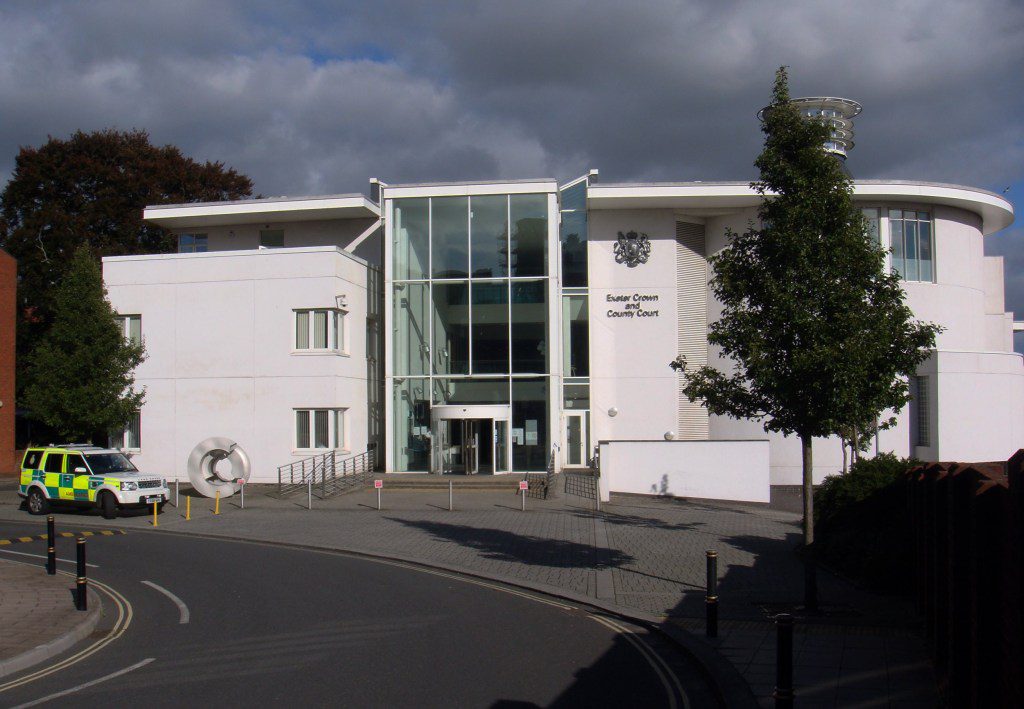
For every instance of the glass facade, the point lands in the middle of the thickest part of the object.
(470, 319)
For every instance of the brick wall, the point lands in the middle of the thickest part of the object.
(968, 522)
(8, 289)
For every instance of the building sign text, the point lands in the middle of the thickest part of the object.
(632, 305)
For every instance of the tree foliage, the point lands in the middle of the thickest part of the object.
(817, 331)
(80, 373)
(90, 190)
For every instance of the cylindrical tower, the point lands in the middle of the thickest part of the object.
(838, 113)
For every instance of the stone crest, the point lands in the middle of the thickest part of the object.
(632, 249)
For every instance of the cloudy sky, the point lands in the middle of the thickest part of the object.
(316, 97)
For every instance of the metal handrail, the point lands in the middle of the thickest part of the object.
(322, 470)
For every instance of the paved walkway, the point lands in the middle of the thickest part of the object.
(38, 619)
(644, 556)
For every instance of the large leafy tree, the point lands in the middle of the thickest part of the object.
(818, 333)
(80, 373)
(90, 190)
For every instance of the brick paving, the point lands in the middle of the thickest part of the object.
(641, 554)
(37, 612)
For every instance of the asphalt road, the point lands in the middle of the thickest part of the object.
(270, 626)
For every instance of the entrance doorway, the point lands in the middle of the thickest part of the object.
(470, 440)
(575, 438)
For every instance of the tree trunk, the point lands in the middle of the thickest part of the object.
(805, 444)
(842, 443)
(810, 568)
(855, 447)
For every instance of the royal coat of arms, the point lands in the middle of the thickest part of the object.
(632, 249)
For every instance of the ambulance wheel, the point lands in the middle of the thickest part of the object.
(37, 502)
(109, 505)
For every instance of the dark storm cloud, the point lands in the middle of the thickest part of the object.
(313, 97)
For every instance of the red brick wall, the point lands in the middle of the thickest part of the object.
(8, 289)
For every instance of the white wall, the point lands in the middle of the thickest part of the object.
(629, 357)
(326, 232)
(219, 334)
(711, 470)
(978, 404)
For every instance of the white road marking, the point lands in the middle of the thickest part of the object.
(183, 614)
(40, 556)
(124, 619)
(93, 683)
(660, 667)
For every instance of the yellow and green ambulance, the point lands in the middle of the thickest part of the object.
(86, 476)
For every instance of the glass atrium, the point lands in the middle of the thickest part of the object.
(471, 281)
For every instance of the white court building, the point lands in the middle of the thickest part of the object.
(503, 327)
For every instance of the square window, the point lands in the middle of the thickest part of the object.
(271, 238)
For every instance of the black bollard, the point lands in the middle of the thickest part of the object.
(51, 550)
(711, 597)
(81, 598)
(783, 693)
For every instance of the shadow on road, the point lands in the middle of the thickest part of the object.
(523, 549)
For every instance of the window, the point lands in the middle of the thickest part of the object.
(319, 429)
(54, 463)
(322, 330)
(920, 413)
(271, 238)
(76, 461)
(32, 460)
(131, 325)
(191, 243)
(912, 247)
(871, 216)
(129, 437)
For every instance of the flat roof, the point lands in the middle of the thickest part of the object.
(253, 211)
(712, 198)
(478, 187)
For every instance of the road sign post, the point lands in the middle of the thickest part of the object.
(241, 490)
(379, 485)
(524, 486)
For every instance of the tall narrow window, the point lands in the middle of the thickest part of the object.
(871, 217)
(922, 418)
(912, 246)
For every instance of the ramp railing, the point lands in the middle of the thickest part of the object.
(327, 473)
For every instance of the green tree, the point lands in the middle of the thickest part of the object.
(820, 338)
(90, 190)
(80, 374)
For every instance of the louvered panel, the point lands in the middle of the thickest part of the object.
(692, 307)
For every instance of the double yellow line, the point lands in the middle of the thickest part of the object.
(124, 619)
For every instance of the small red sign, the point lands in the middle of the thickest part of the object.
(524, 485)
(378, 484)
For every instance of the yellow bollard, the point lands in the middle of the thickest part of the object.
(156, 523)
(188, 508)
(216, 503)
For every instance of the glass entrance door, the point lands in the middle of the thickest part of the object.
(575, 439)
(470, 440)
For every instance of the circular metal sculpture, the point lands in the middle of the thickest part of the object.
(215, 465)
